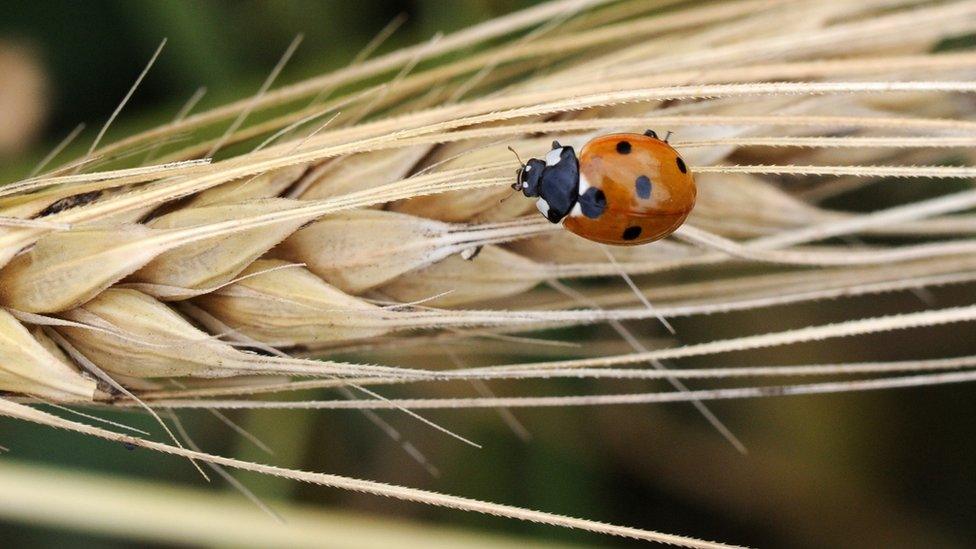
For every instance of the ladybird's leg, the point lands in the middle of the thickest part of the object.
(651, 133)
(556, 145)
(668, 136)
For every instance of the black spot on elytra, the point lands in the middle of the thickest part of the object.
(631, 233)
(681, 165)
(593, 202)
(643, 186)
(623, 147)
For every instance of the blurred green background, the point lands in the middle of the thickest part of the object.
(890, 469)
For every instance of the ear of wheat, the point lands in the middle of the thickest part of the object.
(337, 215)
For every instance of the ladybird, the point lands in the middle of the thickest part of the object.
(623, 189)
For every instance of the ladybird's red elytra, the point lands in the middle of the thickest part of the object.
(623, 189)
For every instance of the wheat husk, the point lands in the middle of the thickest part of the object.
(32, 367)
(287, 307)
(212, 262)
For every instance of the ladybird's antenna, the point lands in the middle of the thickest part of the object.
(516, 156)
(509, 195)
(668, 136)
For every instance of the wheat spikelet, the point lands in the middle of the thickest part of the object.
(367, 212)
(289, 307)
(34, 366)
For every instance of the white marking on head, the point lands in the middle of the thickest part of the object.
(553, 157)
(543, 207)
(528, 168)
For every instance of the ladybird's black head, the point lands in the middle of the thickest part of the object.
(529, 176)
(554, 180)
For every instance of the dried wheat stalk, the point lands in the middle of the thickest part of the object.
(340, 225)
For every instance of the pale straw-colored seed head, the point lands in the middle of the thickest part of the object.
(369, 212)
